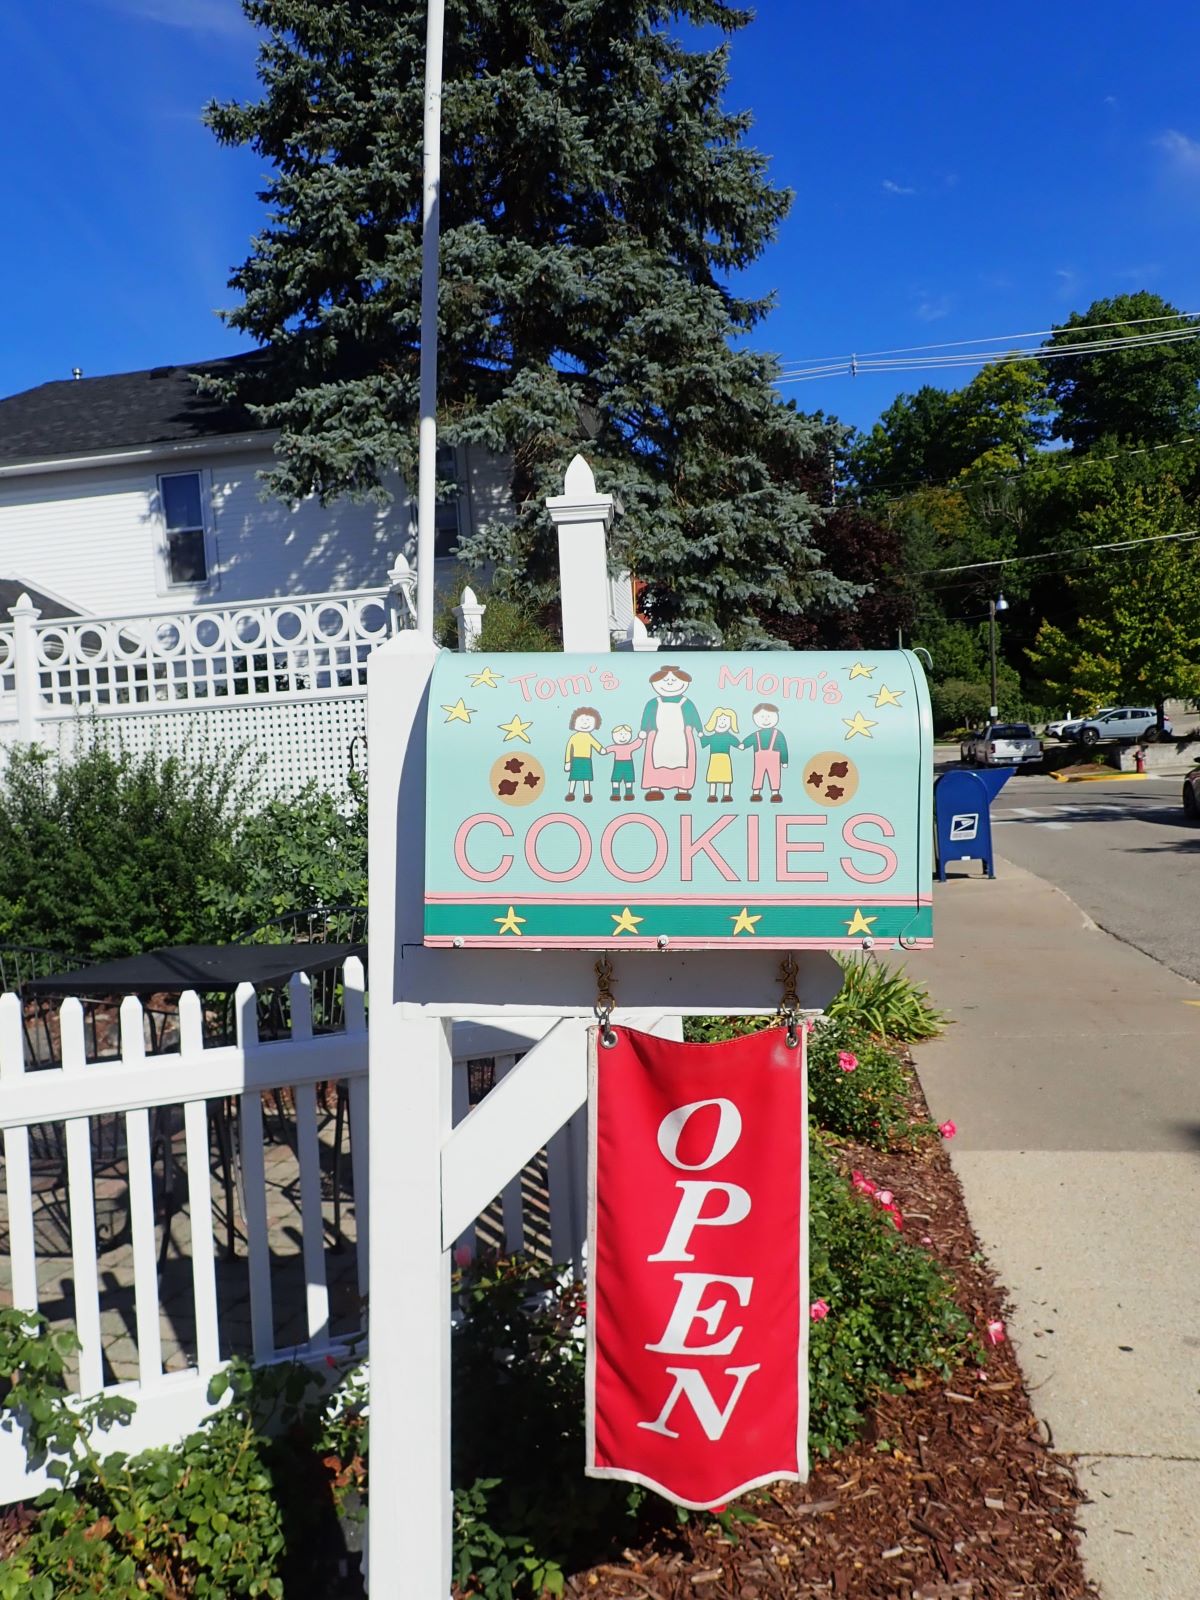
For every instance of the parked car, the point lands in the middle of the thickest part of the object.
(1124, 722)
(966, 748)
(1065, 728)
(1191, 794)
(1005, 744)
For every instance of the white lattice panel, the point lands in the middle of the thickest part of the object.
(299, 741)
(311, 645)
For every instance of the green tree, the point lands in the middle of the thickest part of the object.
(1137, 634)
(1141, 393)
(596, 201)
(993, 425)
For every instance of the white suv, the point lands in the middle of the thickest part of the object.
(1126, 722)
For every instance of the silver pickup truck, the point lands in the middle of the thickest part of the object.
(1005, 744)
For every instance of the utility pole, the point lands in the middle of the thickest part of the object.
(999, 604)
(430, 229)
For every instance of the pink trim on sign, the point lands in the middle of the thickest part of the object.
(605, 896)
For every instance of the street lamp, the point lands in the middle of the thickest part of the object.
(998, 604)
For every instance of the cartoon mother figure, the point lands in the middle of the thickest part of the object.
(670, 724)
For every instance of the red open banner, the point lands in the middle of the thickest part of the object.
(697, 1376)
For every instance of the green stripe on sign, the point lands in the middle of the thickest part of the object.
(695, 920)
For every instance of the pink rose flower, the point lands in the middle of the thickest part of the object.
(897, 1219)
(925, 1239)
(995, 1332)
(818, 1311)
(462, 1255)
(947, 1129)
(847, 1060)
(885, 1198)
(862, 1183)
(810, 1026)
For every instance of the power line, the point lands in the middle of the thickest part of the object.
(857, 365)
(991, 338)
(1184, 537)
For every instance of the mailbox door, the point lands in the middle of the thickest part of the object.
(685, 800)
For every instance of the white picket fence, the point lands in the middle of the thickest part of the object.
(542, 1209)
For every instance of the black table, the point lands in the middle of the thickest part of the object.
(209, 968)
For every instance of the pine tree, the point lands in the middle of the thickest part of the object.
(596, 202)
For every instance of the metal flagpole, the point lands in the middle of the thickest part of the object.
(430, 225)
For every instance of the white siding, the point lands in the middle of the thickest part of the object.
(94, 536)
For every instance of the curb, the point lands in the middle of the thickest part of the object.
(1100, 777)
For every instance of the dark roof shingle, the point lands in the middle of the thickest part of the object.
(76, 416)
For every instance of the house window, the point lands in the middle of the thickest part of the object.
(183, 518)
(446, 519)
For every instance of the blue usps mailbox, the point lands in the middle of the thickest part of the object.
(961, 802)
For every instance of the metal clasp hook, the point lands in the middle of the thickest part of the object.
(605, 1002)
(789, 1004)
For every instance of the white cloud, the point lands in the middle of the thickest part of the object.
(1182, 153)
(224, 18)
(896, 188)
(932, 308)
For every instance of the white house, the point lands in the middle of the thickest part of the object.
(134, 492)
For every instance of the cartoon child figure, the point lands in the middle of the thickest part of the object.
(622, 750)
(720, 737)
(670, 723)
(770, 752)
(580, 746)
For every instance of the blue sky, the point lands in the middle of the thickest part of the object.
(958, 173)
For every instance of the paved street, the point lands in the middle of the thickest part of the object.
(1121, 850)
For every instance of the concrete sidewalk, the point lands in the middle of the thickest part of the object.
(1073, 1072)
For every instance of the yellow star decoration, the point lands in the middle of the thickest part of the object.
(485, 678)
(459, 712)
(510, 923)
(626, 922)
(888, 697)
(515, 729)
(744, 922)
(859, 671)
(859, 724)
(859, 924)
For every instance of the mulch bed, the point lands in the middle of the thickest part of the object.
(953, 1493)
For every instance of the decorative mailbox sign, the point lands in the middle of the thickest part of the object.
(697, 1370)
(682, 800)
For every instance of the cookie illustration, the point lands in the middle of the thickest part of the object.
(517, 779)
(830, 778)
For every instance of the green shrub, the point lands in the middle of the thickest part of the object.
(885, 1001)
(244, 1506)
(857, 1087)
(106, 853)
(518, 1438)
(892, 1311)
(293, 854)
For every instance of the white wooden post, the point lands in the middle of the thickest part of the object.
(409, 1122)
(469, 616)
(583, 519)
(24, 615)
(402, 605)
(637, 637)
